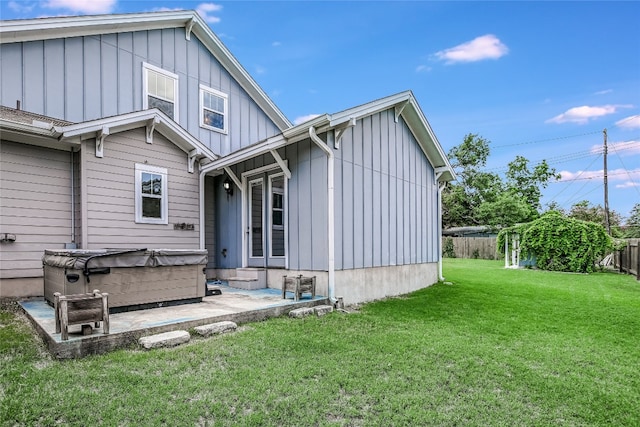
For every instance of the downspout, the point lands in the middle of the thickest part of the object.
(330, 211)
(440, 188)
(202, 218)
(73, 201)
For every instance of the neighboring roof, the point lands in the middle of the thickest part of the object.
(404, 104)
(21, 116)
(75, 26)
(41, 130)
(473, 229)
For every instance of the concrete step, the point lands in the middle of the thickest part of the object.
(249, 278)
(166, 339)
(246, 283)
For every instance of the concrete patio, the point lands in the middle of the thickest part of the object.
(237, 305)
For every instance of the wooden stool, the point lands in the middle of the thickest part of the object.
(298, 285)
(78, 309)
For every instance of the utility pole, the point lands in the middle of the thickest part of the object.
(606, 187)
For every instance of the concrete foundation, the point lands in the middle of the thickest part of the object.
(360, 285)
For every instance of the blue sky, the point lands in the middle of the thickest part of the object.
(537, 79)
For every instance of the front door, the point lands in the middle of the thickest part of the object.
(267, 234)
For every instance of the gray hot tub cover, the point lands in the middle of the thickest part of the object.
(78, 258)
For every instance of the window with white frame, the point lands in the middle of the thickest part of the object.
(213, 109)
(151, 195)
(160, 90)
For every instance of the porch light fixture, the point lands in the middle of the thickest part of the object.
(228, 186)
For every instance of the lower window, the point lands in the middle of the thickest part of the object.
(151, 195)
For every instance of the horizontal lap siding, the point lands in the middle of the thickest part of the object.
(110, 193)
(35, 184)
(87, 78)
(386, 211)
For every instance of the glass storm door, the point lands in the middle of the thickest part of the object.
(256, 223)
(267, 222)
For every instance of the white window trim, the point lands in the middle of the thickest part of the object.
(145, 91)
(222, 95)
(284, 215)
(140, 168)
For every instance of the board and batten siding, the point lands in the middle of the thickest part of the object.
(109, 203)
(385, 197)
(86, 78)
(35, 206)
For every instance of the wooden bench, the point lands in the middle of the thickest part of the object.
(298, 285)
(80, 309)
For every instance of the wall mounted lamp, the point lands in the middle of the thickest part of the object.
(228, 186)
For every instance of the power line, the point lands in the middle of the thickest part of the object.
(546, 140)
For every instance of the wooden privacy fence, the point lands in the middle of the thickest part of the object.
(627, 260)
(473, 247)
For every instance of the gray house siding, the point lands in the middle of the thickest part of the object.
(386, 204)
(35, 184)
(110, 193)
(86, 78)
(385, 201)
(307, 206)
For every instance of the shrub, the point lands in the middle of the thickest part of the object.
(448, 251)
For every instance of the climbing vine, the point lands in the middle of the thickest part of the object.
(559, 243)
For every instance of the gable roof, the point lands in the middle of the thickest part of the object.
(13, 31)
(403, 103)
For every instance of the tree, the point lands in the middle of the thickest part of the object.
(484, 198)
(585, 211)
(528, 183)
(633, 223)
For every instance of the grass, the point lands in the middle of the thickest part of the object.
(496, 347)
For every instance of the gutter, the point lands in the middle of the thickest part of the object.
(330, 210)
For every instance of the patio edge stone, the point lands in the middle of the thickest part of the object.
(216, 328)
(166, 339)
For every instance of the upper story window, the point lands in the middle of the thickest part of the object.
(151, 195)
(160, 90)
(213, 109)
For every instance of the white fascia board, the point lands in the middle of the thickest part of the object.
(71, 26)
(34, 135)
(369, 108)
(122, 123)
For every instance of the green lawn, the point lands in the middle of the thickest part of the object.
(496, 347)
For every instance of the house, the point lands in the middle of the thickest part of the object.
(144, 130)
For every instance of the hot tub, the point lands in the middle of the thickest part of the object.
(133, 278)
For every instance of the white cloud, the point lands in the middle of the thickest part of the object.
(604, 92)
(423, 69)
(612, 175)
(478, 49)
(582, 115)
(166, 9)
(82, 6)
(260, 69)
(631, 122)
(303, 119)
(628, 184)
(276, 44)
(205, 10)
